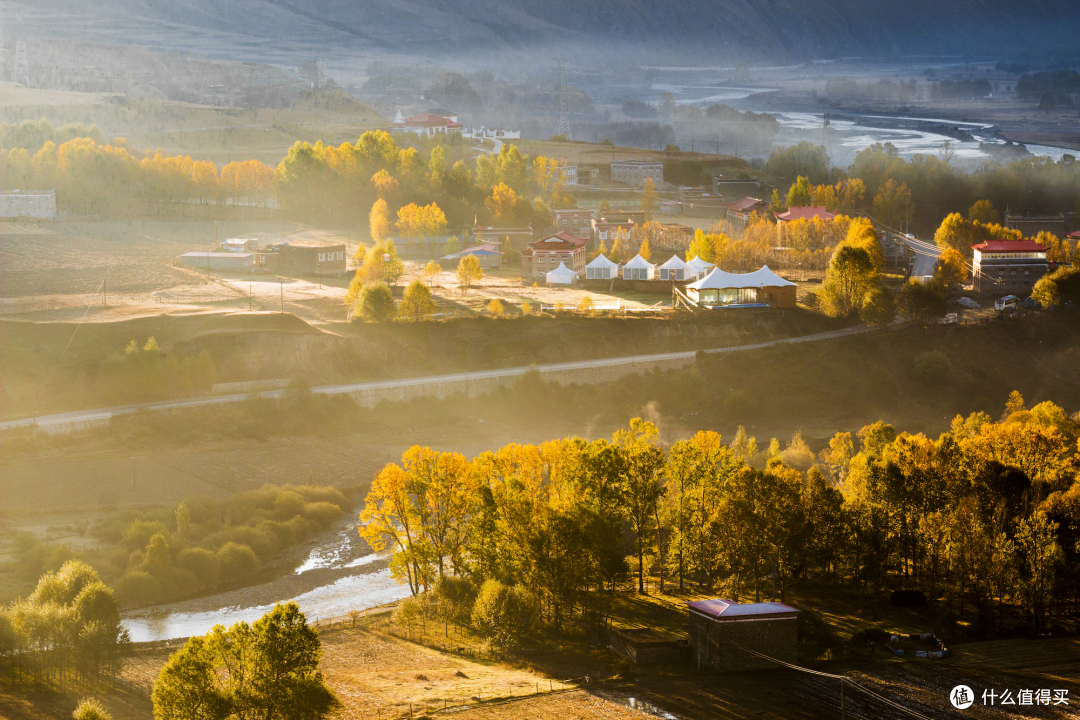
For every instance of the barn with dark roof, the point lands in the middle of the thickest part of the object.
(727, 636)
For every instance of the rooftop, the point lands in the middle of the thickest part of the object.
(308, 244)
(731, 610)
(558, 241)
(1010, 246)
(745, 204)
(805, 213)
(638, 162)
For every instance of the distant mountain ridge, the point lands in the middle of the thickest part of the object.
(795, 30)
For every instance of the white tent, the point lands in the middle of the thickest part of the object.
(724, 288)
(699, 268)
(675, 269)
(638, 269)
(601, 269)
(561, 275)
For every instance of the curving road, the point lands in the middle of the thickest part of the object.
(926, 255)
(81, 416)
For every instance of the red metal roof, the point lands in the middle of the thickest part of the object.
(805, 213)
(428, 120)
(1010, 246)
(731, 610)
(1075, 234)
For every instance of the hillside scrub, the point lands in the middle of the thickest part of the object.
(168, 552)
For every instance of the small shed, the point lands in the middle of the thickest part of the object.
(675, 269)
(638, 269)
(561, 275)
(487, 254)
(601, 269)
(725, 635)
(699, 268)
(227, 261)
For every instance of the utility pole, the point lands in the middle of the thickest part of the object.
(105, 291)
(249, 297)
(281, 282)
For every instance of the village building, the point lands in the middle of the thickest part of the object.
(577, 221)
(488, 256)
(1008, 266)
(507, 238)
(1032, 225)
(239, 245)
(36, 204)
(427, 123)
(761, 288)
(601, 269)
(619, 215)
(568, 173)
(636, 172)
(739, 212)
(638, 269)
(725, 635)
(608, 232)
(675, 269)
(543, 256)
(310, 257)
(223, 261)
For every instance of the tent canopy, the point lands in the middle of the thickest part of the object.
(602, 262)
(561, 275)
(675, 263)
(639, 263)
(697, 265)
(720, 280)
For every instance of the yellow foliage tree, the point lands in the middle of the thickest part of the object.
(379, 221)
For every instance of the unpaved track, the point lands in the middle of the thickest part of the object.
(59, 421)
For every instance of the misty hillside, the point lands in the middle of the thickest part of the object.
(755, 29)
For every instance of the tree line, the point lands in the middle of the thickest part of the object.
(984, 518)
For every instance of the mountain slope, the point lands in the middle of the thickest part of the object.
(790, 29)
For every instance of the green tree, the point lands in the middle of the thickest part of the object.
(266, 670)
(922, 302)
(1038, 549)
(505, 614)
(469, 271)
(416, 302)
(878, 307)
(376, 302)
(641, 465)
(852, 272)
(892, 205)
(799, 193)
(90, 709)
(183, 520)
(805, 159)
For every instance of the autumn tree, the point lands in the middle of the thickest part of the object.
(851, 273)
(432, 272)
(892, 205)
(469, 271)
(950, 268)
(378, 221)
(649, 202)
(502, 204)
(416, 302)
(376, 302)
(983, 211)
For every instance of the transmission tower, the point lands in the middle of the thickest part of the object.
(22, 66)
(564, 101)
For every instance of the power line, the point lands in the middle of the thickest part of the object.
(843, 678)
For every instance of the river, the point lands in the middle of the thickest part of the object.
(338, 575)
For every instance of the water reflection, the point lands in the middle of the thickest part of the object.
(356, 592)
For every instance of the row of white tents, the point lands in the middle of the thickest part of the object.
(711, 286)
(601, 268)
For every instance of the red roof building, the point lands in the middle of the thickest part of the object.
(428, 124)
(804, 213)
(725, 635)
(739, 212)
(543, 256)
(1008, 266)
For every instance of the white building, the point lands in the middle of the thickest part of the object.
(699, 268)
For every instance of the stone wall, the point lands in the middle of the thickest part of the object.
(710, 649)
(41, 205)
